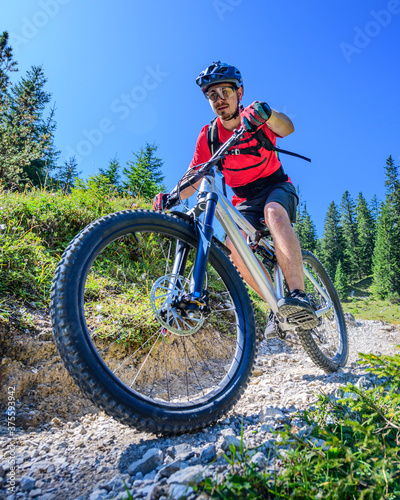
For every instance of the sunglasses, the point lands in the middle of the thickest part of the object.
(222, 92)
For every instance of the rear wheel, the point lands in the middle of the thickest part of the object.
(326, 344)
(127, 338)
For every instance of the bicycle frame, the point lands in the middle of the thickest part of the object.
(212, 202)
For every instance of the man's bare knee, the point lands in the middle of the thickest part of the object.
(276, 215)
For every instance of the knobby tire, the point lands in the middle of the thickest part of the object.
(109, 315)
(327, 344)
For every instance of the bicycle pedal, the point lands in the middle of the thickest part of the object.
(303, 319)
(299, 316)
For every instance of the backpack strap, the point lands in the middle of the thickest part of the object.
(267, 144)
(212, 136)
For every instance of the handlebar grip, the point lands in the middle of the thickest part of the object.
(172, 201)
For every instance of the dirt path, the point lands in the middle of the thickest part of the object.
(66, 449)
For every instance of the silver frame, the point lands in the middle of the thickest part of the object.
(231, 219)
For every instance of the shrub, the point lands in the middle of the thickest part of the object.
(36, 227)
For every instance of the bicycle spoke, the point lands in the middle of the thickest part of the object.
(167, 257)
(193, 368)
(133, 354)
(155, 374)
(327, 336)
(186, 377)
(166, 371)
(118, 339)
(185, 357)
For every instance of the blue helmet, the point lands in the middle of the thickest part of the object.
(219, 72)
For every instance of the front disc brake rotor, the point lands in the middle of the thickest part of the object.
(164, 296)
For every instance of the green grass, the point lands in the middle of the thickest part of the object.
(353, 451)
(36, 227)
(364, 305)
(360, 457)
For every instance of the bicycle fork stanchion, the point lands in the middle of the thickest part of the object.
(181, 255)
(205, 233)
(178, 269)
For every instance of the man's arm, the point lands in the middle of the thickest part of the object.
(280, 124)
(188, 192)
(202, 154)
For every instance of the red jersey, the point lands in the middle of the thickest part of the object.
(240, 169)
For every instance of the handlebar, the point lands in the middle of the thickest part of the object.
(193, 175)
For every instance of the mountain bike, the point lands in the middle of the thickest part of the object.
(154, 322)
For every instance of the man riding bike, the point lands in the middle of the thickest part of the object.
(262, 191)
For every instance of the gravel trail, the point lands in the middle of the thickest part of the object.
(89, 457)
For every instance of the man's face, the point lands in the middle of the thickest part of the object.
(224, 108)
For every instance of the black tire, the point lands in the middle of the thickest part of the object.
(116, 347)
(327, 344)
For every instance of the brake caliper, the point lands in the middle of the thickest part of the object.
(186, 303)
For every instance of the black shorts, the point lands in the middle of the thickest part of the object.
(283, 193)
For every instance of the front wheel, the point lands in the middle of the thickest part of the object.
(126, 336)
(327, 344)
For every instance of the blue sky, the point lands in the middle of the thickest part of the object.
(123, 73)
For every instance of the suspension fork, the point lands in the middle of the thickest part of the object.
(207, 202)
(205, 233)
(181, 256)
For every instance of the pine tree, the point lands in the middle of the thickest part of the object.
(27, 151)
(68, 174)
(386, 259)
(350, 237)
(298, 227)
(31, 90)
(111, 172)
(366, 236)
(375, 208)
(332, 244)
(144, 177)
(392, 184)
(383, 258)
(341, 281)
(108, 179)
(15, 150)
(7, 65)
(305, 229)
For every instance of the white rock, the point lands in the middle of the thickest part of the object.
(151, 459)
(179, 492)
(190, 475)
(259, 459)
(268, 412)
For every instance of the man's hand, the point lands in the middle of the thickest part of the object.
(255, 115)
(160, 200)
